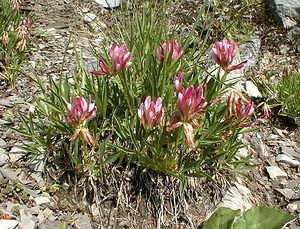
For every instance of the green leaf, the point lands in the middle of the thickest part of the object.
(262, 217)
(112, 158)
(221, 219)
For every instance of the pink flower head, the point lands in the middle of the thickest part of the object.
(224, 52)
(172, 48)
(120, 58)
(178, 81)
(26, 23)
(150, 113)
(80, 111)
(239, 107)
(190, 102)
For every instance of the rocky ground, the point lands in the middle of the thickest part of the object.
(30, 196)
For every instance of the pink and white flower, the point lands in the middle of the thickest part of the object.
(171, 48)
(151, 113)
(190, 103)
(224, 52)
(80, 112)
(120, 60)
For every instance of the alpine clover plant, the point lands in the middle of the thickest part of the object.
(149, 103)
(15, 35)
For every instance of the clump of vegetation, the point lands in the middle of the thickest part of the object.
(148, 102)
(15, 34)
(288, 95)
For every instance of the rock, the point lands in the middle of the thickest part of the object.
(95, 211)
(237, 197)
(297, 204)
(8, 224)
(259, 146)
(287, 193)
(242, 152)
(34, 210)
(286, 159)
(5, 103)
(39, 163)
(286, 12)
(48, 224)
(16, 154)
(109, 3)
(52, 31)
(48, 214)
(250, 51)
(2, 142)
(292, 207)
(41, 200)
(83, 222)
(275, 172)
(89, 17)
(252, 90)
(26, 220)
(293, 183)
(290, 152)
(4, 158)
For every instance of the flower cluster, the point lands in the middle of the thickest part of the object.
(81, 111)
(171, 48)
(224, 52)
(120, 58)
(24, 32)
(151, 113)
(240, 108)
(190, 102)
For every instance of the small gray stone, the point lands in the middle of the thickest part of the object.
(242, 152)
(252, 90)
(16, 154)
(95, 211)
(89, 17)
(290, 151)
(292, 207)
(83, 222)
(275, 172)
(4, 158)
(41, 200)
(35, 210)
(287, 193)
(8, 224)
(5, 103)
(286, 159)
(109, 3)
(26, 220)
(259, 146)
(2, 142)
(237, 197)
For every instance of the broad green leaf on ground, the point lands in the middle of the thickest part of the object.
(262, 217)
(221, 219)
